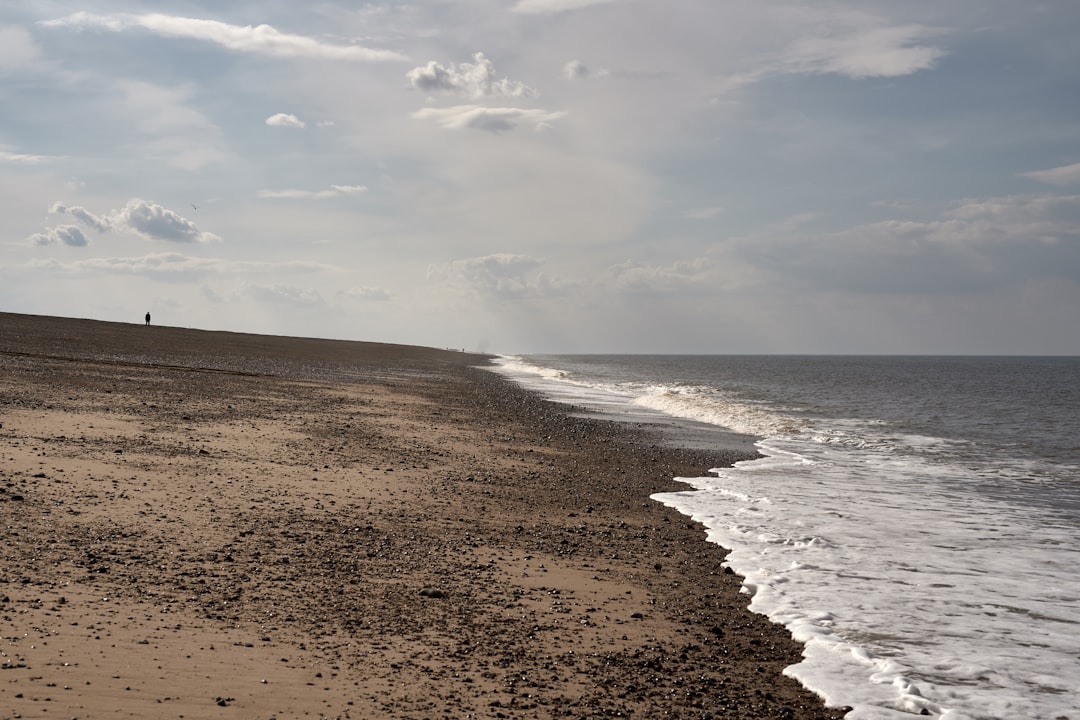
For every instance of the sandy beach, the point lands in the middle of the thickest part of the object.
(216, 525)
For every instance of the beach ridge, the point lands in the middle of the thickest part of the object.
(340, 529)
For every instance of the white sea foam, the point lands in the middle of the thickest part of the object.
(515, 365)
(910, 595)
(921, 574)
(704, 405)
(699, 404)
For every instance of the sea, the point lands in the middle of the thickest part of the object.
(914, 521)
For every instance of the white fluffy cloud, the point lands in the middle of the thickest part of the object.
(1063, 175)
(477, 81)
(331, 192)
(159, 223)
(262, 39)
(82, 215)
(286, 120)
(63, 234)
(484, 118)
(473, 80)
(148, 219)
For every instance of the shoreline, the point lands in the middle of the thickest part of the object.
(348, 530)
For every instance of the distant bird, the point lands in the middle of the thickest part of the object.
(194, 206)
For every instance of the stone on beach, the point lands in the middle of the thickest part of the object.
(247, 543)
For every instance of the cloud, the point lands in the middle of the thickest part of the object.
(154, 264)
(82, 215)
(502, 275)
(1022, 219)
(577, 70)
(547, 7)
(7, 156)
(485, 118)
(69, 235)
(179, 264)
(331, 192)
(499, 265)
(284, 294)
(1064, 175)
(367, 294)
(285, 120)
(474, 81)
(972, 246)
(643, 279)
(158, 223)
(260, 39)
(853, 43)
(505, 276)
(858, 50)
(144, 218)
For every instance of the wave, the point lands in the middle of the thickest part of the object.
(705, 405)
(726, 409)
(698, 403)
(517, 364)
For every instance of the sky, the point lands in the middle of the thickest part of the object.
(560, 176)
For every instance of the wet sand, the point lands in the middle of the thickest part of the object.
(217, 525)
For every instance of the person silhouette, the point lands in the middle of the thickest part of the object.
(148, 318)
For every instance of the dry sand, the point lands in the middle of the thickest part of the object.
(217, 525)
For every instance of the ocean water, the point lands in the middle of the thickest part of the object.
(913, 521)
